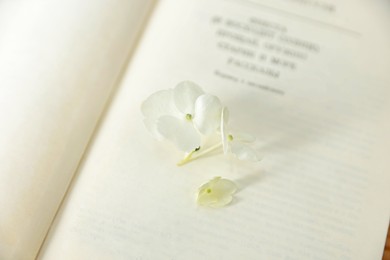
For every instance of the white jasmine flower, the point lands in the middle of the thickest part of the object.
(179, 114)
(216, 193)
(237, 143)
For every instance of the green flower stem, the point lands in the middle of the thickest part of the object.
(198, 153)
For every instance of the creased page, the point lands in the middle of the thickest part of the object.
(59, 62)
(309, 78)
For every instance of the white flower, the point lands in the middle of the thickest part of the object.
(216, 193)
(179, 114)
(237, 143)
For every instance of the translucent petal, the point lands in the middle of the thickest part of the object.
(210, 200)
(159, 104)
(206, 199)
(216, 193)
(185, 95)
(243, 151)
(244, 137)
(224, 186)
(151, 125)
(224, 134)
(207, 116)
(182, 133)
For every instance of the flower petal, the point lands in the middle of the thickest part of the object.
(185, 95)
(216, 193)
(207, 116)
(151, 125)
(224, 134)
(182, 133)
(224, 186)
(243, 151)
(206, 199)
(159, 104)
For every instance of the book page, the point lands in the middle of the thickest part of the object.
(309, 78)
(59, 62)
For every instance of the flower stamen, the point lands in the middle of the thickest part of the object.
(188, 117)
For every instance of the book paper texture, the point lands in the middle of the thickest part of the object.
(310, 80)
(59, 62)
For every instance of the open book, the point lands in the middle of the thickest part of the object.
(81, 178)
